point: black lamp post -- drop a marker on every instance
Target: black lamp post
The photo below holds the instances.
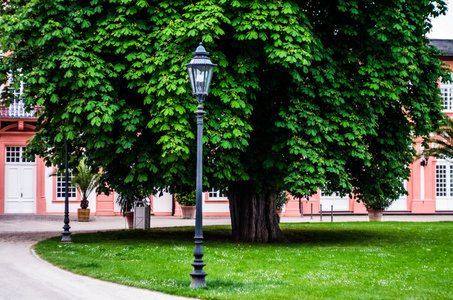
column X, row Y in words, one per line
column 200, row 69
column 66, row 234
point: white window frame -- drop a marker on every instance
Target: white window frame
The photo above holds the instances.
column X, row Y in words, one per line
column 446, row 92
column 214, row 194
column 15, row 155
column 444, row 180
column 444, row 185
column 61, row 189
column 334, row 194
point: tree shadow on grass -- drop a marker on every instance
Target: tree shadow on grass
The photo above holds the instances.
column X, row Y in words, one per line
column 222, row 234
column 170, row 234
column 327, row 236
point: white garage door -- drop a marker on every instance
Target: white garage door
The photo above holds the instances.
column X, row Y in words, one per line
column 334, row 201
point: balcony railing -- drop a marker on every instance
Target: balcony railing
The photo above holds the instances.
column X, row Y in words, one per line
column 17, row 110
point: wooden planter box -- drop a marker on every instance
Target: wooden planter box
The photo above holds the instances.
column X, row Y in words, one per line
column 83, row 215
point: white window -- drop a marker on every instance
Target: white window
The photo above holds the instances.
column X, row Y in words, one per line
column 16, row 155
column 333, row 195
column 61, row 187
column 215, row 194
column 442, row 179
column 446, row 92
column 444, row 185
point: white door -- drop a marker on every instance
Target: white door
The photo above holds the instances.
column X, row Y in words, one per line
column 20, row 182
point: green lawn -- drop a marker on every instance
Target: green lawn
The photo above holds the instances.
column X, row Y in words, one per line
column 369, row 260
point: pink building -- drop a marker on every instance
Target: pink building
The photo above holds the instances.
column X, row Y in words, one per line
column 27, row 187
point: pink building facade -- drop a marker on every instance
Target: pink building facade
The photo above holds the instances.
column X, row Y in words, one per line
column 27, row 187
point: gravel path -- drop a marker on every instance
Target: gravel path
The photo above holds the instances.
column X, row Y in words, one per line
column 23, row 275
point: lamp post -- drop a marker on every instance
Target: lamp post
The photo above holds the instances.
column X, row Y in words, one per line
column 200, row 69
column 66, row 238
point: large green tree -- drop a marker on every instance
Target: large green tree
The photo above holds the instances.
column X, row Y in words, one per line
column 307, row 94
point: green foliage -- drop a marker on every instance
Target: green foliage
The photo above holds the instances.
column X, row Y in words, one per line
column 126, row 202
column 281, row 199
column 306, row 94
column 126, row 199
column 186, row 198
column 85, row 181
column 357, row 260
column 377, row 202
column 443, row 140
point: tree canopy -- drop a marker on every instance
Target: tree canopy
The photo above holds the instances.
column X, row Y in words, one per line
column 306, row 95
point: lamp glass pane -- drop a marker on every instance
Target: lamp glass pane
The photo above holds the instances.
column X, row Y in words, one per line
column 200, row 77
column 191, row 77
column 208, row 78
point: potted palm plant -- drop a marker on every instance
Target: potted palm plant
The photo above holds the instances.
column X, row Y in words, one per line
column 187, row 200
column 85, row 181
column 126, row 201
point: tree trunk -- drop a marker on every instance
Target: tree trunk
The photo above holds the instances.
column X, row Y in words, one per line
column 254, row 218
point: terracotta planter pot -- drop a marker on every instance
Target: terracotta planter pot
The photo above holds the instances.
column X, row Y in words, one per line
column 130, row 219
column 83, row 215
column 188, row 212
column 375, row 214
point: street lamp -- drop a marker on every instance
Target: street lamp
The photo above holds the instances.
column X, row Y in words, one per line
column 66, row 238
column 200, row 69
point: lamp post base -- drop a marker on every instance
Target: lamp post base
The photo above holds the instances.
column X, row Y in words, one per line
column 198, row 275
column 198, row 279
column 66, row 238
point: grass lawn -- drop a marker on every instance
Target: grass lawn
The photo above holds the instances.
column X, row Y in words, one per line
column 369, row 260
